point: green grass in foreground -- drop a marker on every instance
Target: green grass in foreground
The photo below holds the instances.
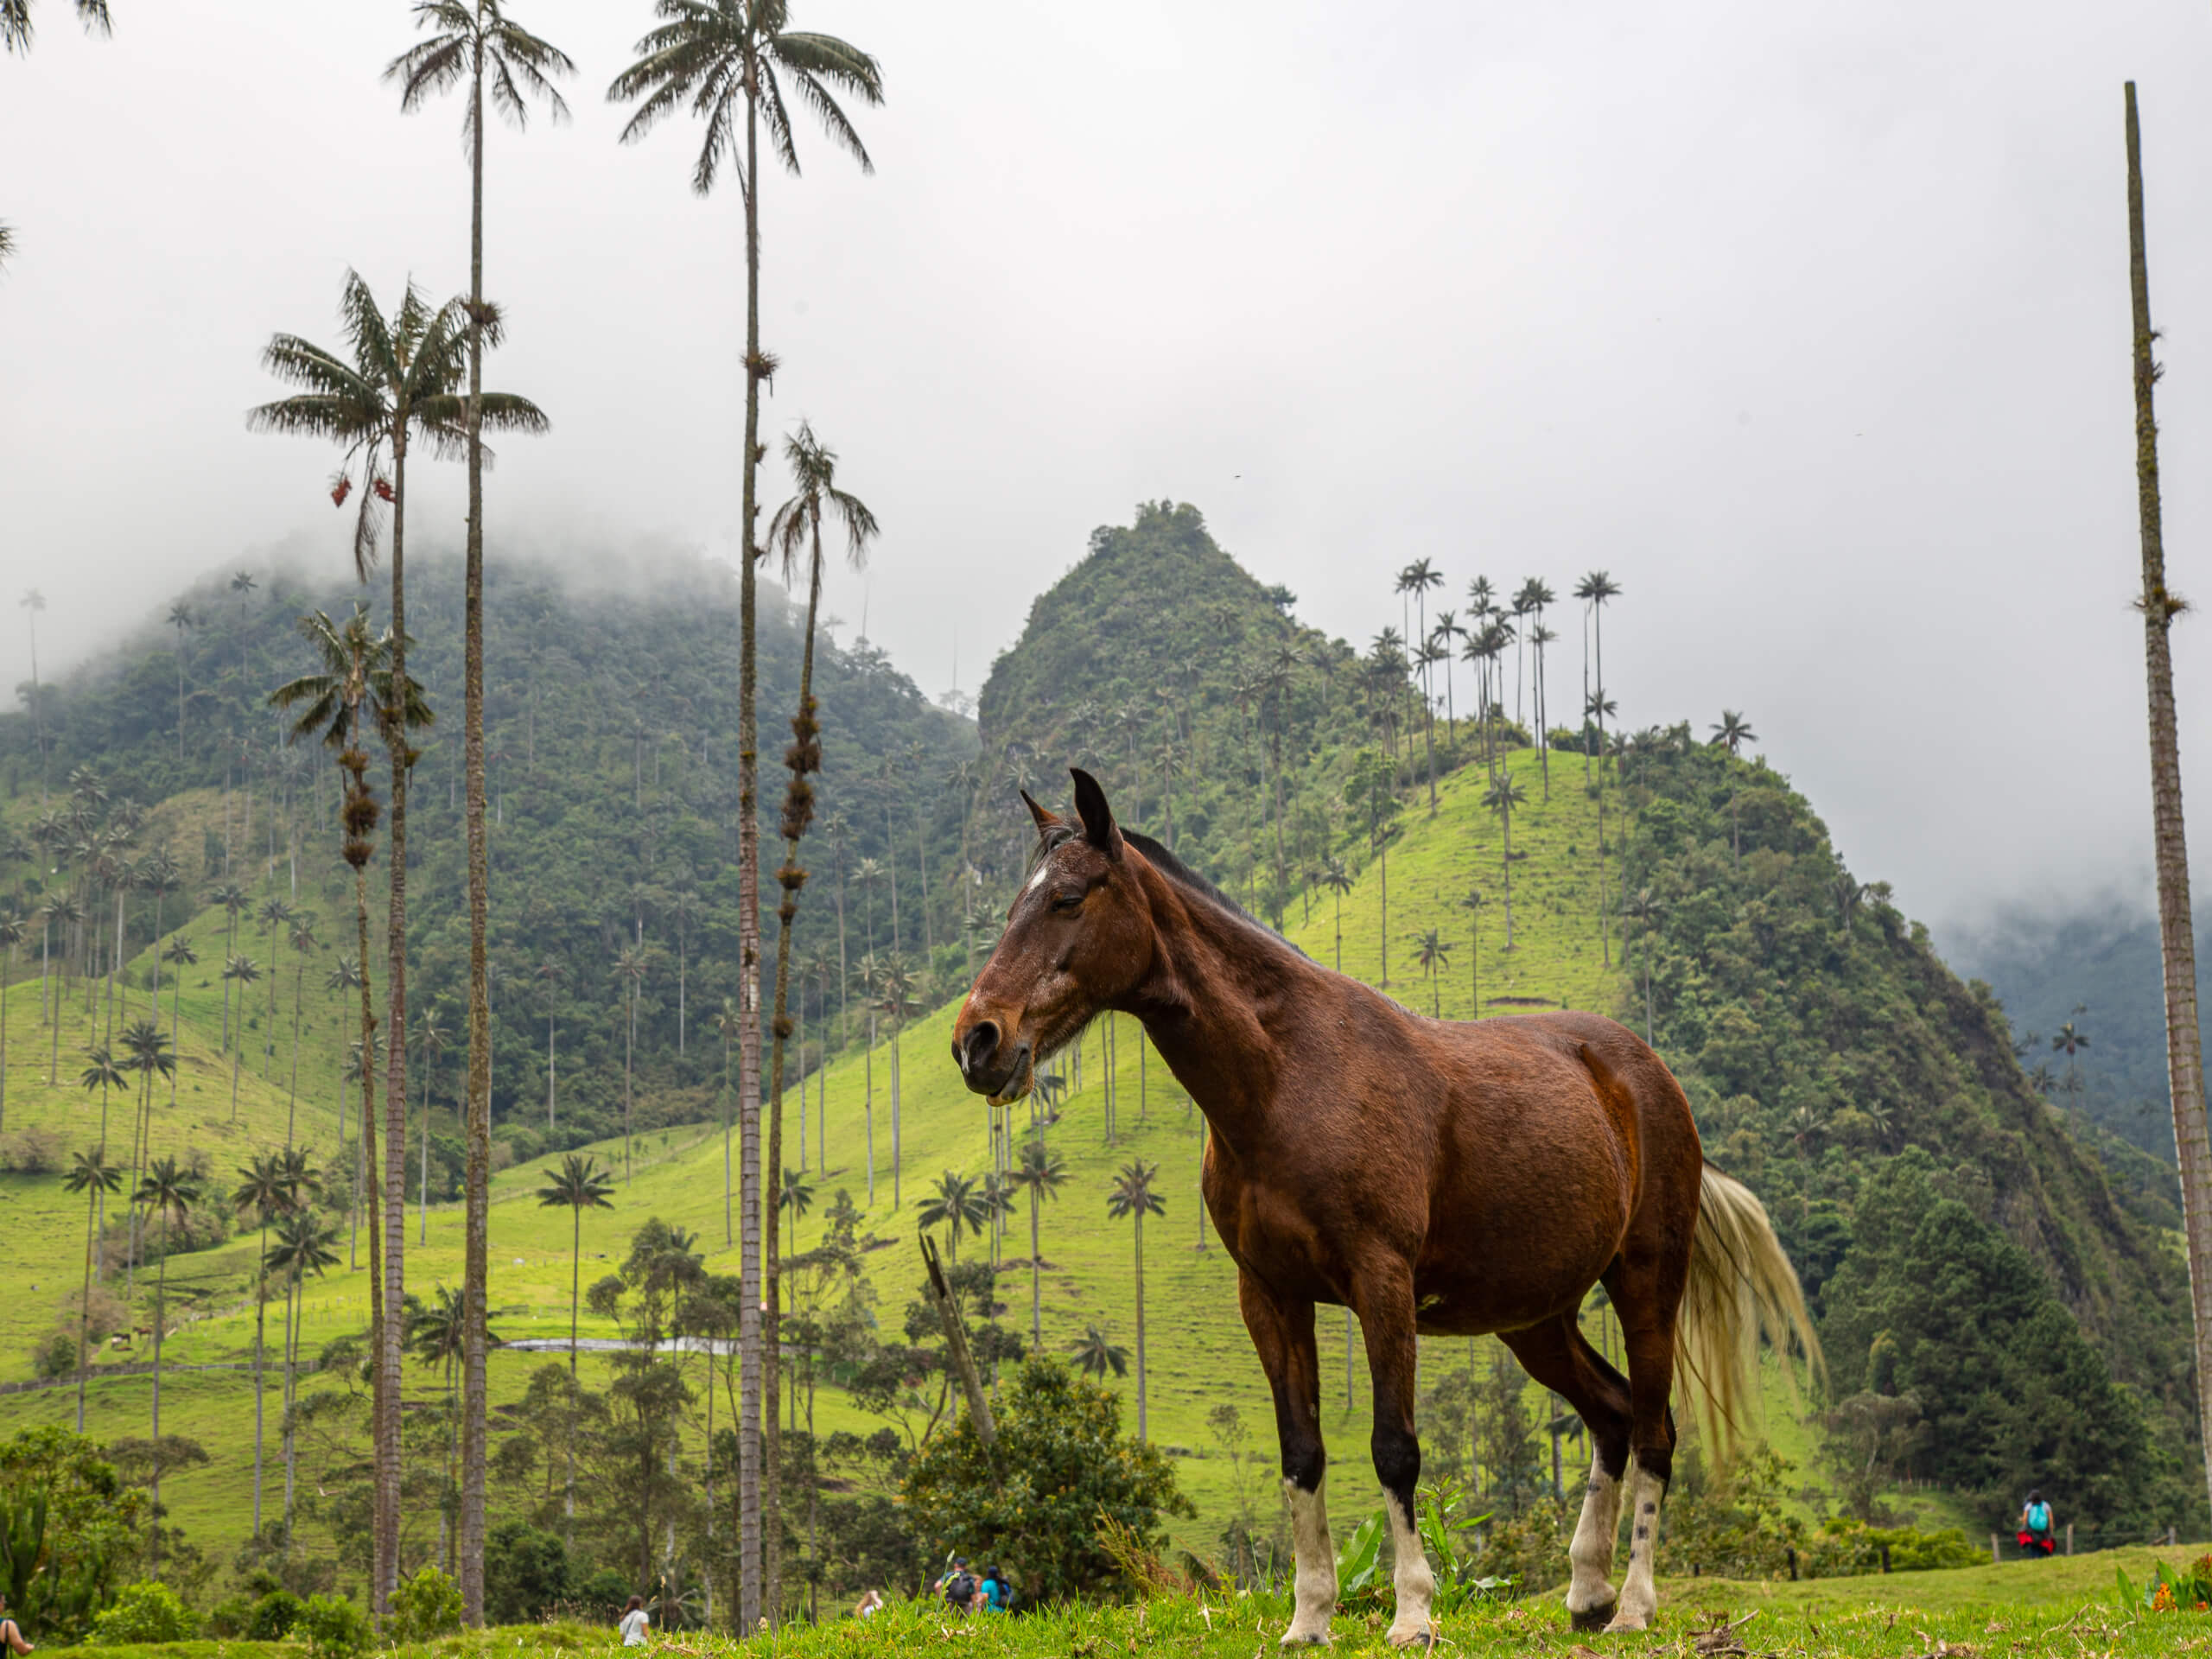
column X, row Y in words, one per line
column 2060, row 1607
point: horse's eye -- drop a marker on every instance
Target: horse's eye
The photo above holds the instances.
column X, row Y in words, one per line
column 1068, row 902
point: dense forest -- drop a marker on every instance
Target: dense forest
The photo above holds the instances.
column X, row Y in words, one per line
column 1964, row 1248
column 611, row 737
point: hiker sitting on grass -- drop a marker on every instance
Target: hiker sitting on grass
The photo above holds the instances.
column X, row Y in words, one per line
column 2037, row 1526
column 959, row 1587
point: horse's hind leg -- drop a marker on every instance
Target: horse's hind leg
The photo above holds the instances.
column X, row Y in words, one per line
column 1558, row 1355
column 1647, row 1295
column 1283, row 1334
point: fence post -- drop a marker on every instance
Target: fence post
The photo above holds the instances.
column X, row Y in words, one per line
column 1885, row 1558
column 1995, row 1555
column 2070, row 1537
column 1793, row 1563
column 2170, row 1537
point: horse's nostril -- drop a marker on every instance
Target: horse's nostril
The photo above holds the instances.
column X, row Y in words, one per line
column 982, row 1043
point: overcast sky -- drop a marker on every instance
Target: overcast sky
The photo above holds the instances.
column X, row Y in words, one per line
column 1810, row 324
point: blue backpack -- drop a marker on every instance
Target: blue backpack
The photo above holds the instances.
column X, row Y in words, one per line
column 2038, row 1517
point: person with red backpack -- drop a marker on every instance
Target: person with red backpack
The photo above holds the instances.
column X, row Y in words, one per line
column 2038, row 1528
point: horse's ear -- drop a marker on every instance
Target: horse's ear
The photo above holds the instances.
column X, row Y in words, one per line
column 1047, row 820
column 1098, row 827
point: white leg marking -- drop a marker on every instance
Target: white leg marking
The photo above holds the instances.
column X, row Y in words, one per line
column 1591, row 1552
column 1316, row 1560
column 1639, row 1595
column 1412, row 1579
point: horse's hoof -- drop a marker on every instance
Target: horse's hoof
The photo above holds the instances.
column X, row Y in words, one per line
column 1296, row 1638
column 1421, row 1635
column 1626, row 1624
column 1592, row 1619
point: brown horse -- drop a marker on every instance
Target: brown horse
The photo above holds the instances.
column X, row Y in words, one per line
column 1436, row 1177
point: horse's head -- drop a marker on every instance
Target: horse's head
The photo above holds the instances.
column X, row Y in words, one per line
column 1079, row 935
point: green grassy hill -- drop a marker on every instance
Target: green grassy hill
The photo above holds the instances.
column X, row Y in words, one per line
column 1198, row 1356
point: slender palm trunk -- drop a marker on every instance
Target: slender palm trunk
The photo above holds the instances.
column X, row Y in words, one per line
column 260, row 1327
column 629, row 1050
column 292, row 1090
column 750, row 1561
column 867, row 1110
column 575, row 1296
column 1142, row 1436
column 2184, row 1057
column 477, row 1183
column 160, row 1319
column 1036, row 1276
column 391, row 1263
column 85, row 1303
column 291, row 1367
column 365, row 1165
column 549, row 1088
column 1508, row 816
column 790, row 877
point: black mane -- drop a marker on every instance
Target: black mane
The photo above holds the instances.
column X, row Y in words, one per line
column 1167, row 863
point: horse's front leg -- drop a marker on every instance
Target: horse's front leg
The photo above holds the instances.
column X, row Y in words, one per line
column 1283, row 1333
column 1385, row 1306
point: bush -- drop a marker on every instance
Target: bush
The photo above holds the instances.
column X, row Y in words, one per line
column 227, row 1618
column 274, row 1616
column 145, row 1613
column 525, row 1572
column 1063, row 1465
column 56, row 1355
column 334, row 1627
column 603, row 1593
column 426, row 1605
column 1844, row 1548
column 31, row 1152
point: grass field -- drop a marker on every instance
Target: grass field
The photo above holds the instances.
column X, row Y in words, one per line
column 2065, row 1607
column 1199, row 1357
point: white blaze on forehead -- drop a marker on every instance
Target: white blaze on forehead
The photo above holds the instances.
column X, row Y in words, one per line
column 1044, row 871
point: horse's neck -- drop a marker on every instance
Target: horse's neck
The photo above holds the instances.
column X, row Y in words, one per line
column 1216, row 1005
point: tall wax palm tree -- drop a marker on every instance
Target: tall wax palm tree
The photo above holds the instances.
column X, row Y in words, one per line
column 167, row 1191
column 304, row 1246
column 727, row 61
column 1505, row 794
column 354, row 678
column 302, row 938
column 1731, row 732
column 275, row 913
column 1041, row 1172
column 1472, row 902
column 181, row 618
column 244, row 971
column 13, row 932
column 550, row 974
column 956, row 1205
column 435, row 1040
column 264, row 1190
column 1434, row 954
column 149, row 1057
column 1095, row 1356
column 474, row 42
column 1335, row 877
column 629, row 973
column 727, row 1023
column 344, row 974
column 235, row 901
column 101, row 1073
column 2170, row 838
column 1132, row 1197
column 2070, row 1042
column 895, row 985
column 1641, row 908
column 794, row 533
column 91, row 1174
column 404, row 383
column 580, row 1184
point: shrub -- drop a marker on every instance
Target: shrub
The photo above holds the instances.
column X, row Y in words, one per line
column 604, row 1591
column 31, row 1152
column 228, row 1618
column 274, row 1616
column 525, row 1572
column 1063, row 1465
column 426, row 1605
column 334, row 1627
column 145, row 1613
column 1844, row 1548
column 56, row 1355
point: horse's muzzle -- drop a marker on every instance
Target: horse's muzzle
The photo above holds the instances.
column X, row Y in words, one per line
column 989, row 1065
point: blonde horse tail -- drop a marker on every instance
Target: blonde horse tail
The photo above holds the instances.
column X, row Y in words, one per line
column 1741, row 1290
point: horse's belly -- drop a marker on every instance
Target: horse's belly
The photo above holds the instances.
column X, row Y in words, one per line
column 1521, row 1261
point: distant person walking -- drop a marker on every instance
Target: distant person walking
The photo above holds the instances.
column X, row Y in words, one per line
column 12, row 1634
column 995, row 1593
column 634, row 1623
column 2037, row 1526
